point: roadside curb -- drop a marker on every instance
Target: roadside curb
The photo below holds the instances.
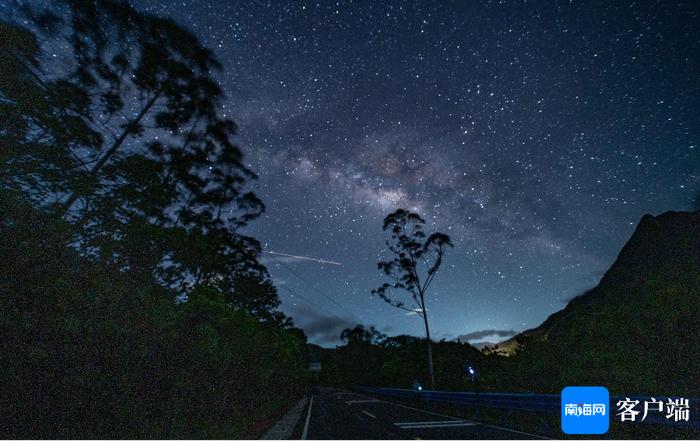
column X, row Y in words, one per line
column 285, row 426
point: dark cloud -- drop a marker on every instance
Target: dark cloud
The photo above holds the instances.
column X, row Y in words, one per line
column 480, row 335
column 324, row 329
column 321, row 329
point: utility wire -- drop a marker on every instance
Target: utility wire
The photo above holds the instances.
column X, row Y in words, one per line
column 314, row 288
column 313, row 304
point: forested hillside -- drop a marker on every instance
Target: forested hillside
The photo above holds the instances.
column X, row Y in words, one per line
column 634, row 332
column 131, row 303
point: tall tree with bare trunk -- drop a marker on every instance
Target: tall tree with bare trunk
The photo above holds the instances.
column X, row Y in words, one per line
column 414, row 262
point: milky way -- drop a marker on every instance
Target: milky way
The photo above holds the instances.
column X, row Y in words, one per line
column 536, row 134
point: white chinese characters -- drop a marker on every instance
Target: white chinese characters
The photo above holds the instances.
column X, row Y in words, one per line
column 584, row 409
column 678, row 409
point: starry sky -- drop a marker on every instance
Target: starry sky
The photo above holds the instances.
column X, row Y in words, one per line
column 535, row 134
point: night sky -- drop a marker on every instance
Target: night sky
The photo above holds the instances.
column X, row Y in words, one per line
column 535, row 134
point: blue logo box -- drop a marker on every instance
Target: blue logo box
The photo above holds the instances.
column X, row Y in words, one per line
column 585, row 410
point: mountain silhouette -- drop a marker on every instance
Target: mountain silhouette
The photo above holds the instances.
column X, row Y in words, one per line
column 637, row 330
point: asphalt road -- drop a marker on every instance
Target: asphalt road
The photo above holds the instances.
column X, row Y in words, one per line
column 335, row 414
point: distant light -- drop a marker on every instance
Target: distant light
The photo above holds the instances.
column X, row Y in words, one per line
column 420, row 387
column 471, row 371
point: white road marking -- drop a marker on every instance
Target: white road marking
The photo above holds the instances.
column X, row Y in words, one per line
column 422, row 410
column 434, row 424
column 361, row 401
column 369, row 414
column 308, row 418
column 428, row 422
column 457, row 419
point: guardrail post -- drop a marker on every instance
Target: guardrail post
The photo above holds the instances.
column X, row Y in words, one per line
column 478, row 408
column 478, row 399
column 545, row 428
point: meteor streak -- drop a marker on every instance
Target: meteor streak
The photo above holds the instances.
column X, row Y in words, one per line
column 274, row 253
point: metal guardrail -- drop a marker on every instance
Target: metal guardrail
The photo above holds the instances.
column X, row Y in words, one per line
column 540, row 403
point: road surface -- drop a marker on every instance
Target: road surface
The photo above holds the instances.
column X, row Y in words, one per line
column 335, row 414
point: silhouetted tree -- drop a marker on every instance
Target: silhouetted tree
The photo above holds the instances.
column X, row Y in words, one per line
column 415, row 261
column 359, row 335
column 76, row 333
column 128, row 136
column 118, row 169
column 255, row 294
column 41, row 123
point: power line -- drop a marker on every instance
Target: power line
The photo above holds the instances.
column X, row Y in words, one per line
column 313, row 304
column 314, row 288
column 309, row 283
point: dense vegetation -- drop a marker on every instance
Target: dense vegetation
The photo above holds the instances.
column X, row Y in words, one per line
column 91, row 352
column 371, row 358
column 131, row 305
column 634, row 333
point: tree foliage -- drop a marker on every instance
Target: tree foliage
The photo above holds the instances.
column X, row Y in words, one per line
column 130, row 140
column 122, row 190
column 91, row 352
column 359, row 335
column 411, row 252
